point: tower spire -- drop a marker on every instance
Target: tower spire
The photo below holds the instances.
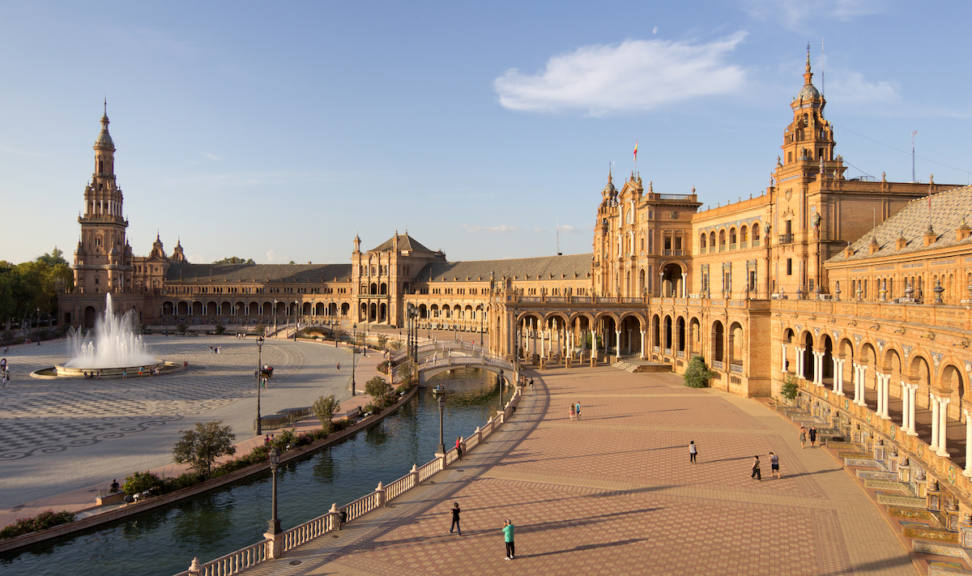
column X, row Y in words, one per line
column 807, row 74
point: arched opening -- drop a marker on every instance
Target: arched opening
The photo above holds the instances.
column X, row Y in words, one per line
column 717, row 345
column 631, row 335
column 656, row 334
column 254, row 311
column 680, row 337
column 91, row 315
column 306, row 308
column 736, row 347
column 827, row 363
column 952, row 382
column 197, row 308
column 668, row 335
column 182, row 309
column 808, row 364
column 671, row 281
column 383, row 289
column 383, row 312
column 869, row 359
column 372, row 312
column 695, row 337
column 788, row 351
column 320, row 309
column 345, row 308
column 423, row 311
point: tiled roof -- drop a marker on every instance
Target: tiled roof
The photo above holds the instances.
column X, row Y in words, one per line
column 405, row 242
column 544, row 268
column 948, row 209
column 205, row 273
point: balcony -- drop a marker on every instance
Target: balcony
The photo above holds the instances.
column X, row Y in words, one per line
column 786, row 238
column 673, row 252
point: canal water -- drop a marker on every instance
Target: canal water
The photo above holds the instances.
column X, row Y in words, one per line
column 164, row 541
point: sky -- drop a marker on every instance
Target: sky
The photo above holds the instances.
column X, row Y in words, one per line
column 277, row 131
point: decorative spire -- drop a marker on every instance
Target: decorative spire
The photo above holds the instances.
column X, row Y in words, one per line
column 807, row 74
column 104, row 137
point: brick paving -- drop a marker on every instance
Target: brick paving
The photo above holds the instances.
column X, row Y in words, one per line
column 614, row 493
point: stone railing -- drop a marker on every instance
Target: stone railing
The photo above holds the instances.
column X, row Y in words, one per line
column 276, row 545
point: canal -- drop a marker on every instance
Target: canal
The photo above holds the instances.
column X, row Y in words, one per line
column 164, row 541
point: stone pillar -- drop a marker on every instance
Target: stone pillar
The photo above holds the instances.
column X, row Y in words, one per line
column 684, row 285
column 818, row 368
column 542, row 347
column 968, row 444
column 933, row 401
column 838, row 376
column 905, row 404
column 943, row 427
column 912, row 405
column 783, row 359
column 642, row 344
column 862, row 369
column 617, row 345
column 799, row 361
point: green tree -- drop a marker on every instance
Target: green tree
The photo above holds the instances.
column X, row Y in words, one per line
column 697, row 374
column 202, row 446
column 235, row 260
column 790, row 387
column 325, row 408
column 31, row 288
column 379, row 389
column 140, row 482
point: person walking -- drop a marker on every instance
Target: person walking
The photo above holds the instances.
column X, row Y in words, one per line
column 459, row 447
column 571, row 412
column 775, row 465
column 455, row 519
column 756, row 473
column 803, row 436
column 577, row 410
column 508, row 538
column 813, row 436
column 693, row 451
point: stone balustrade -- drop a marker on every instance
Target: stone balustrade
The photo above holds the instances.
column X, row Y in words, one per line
column 238, row 561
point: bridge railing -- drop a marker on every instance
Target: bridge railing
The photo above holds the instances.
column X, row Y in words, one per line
column 240, row 560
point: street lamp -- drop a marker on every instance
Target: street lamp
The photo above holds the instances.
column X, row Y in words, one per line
column 274, row 462
column 274, row 315
column 499, row 383
column 439, row 393
column 259, row 374
column 354, row 349
column 482, row 325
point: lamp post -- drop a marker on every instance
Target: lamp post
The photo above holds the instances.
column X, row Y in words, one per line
column 439, row 393
column 274, row 315
column 499, row 384
column 296, row 319
column 482, row 325
column 259, row 374
column 274, row 527
column 354, row 349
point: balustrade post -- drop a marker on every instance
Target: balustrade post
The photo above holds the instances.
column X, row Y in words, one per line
column 193, row 567
column 415, row 476
column 380, row 495
column 333, row 518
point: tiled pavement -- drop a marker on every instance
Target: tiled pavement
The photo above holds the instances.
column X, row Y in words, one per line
column 614, row 493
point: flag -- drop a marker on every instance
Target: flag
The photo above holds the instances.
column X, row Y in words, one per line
column 636, row 151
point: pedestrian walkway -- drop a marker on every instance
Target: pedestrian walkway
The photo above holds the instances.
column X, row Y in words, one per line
column 614, row 493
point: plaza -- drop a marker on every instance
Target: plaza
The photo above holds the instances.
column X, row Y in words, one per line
column 614, row 493
column 63, row 440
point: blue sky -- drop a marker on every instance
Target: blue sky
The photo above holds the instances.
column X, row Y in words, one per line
column 276, row 131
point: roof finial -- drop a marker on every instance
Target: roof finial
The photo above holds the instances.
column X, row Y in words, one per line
column 106, row 106
column 807, row 74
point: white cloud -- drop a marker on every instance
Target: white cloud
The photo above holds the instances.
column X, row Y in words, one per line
column 794, row 14
column 631, row 76
column 849, row 87
column 270, row 255
column 211, row 156
column 497, row 228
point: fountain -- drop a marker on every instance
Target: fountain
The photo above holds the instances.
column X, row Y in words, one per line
column 115, row 351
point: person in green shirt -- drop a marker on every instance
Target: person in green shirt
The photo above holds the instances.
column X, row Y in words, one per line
column 508, row 537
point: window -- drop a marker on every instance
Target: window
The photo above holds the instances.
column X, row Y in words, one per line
column 789, row 266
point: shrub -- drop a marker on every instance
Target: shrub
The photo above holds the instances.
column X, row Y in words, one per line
column 284, row 440
column 140, row 482
column 202, row 446
column 182, row 328
column 42, row 521
column 325, row 408
column 697, row 374
column 219, row 330
column 790, row 388
column 378, row 389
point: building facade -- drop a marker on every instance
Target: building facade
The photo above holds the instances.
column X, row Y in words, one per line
column 858, row 290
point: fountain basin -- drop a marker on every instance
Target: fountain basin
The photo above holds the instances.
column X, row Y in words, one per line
column 140, row 371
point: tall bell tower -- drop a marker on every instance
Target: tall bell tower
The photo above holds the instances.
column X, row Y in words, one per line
column 102, row 261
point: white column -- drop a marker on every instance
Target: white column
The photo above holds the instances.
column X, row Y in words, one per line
column 684, row 285
column 912, row 400
column 783, row 362
column 943, row 427
column 617, row 346
column 642, row 344
column 933, row 402
column 968, row 444
column 863, row 370
column 542, row 347
column 885, row 380
column 838, row 376
column 818, row 368
column 858, row 393
column 799, row 361
column 905, row 403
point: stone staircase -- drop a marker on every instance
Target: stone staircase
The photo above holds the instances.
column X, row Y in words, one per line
column 936, row 549
column 639, row 366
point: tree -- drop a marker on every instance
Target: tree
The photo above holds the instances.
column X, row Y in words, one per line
column 202, row 446
column 697, row 374
column 378, row 389
column 325, row 408
column 32, row 287
column 235, row 260
column 790, row 387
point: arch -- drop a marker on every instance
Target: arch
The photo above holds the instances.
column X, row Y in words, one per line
column 332, row 309
column 722, row 239
column 642, row 287
column 732, row 236
column 680, row 336
column 423, row 311
column 656, row 332
column 373, row 288
column 197, row 308
column 736, row 346
column 755, row 231
column 695, row 337
column 372, row 312
column 669, row 336
column 630, row 328
column 712, row 241
column 212, row 309
column 254, row 309
column 434, row 311
column 717, row 343
column 320, row 309
column 827, row 362
column 383, row 312
column 808, row 363
column 743, row 234
column 383, row 289
column 91, row 314
column 671, row 280
column 702, row 243
column 345, row 308
column 306, row 308
column 950, row 380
